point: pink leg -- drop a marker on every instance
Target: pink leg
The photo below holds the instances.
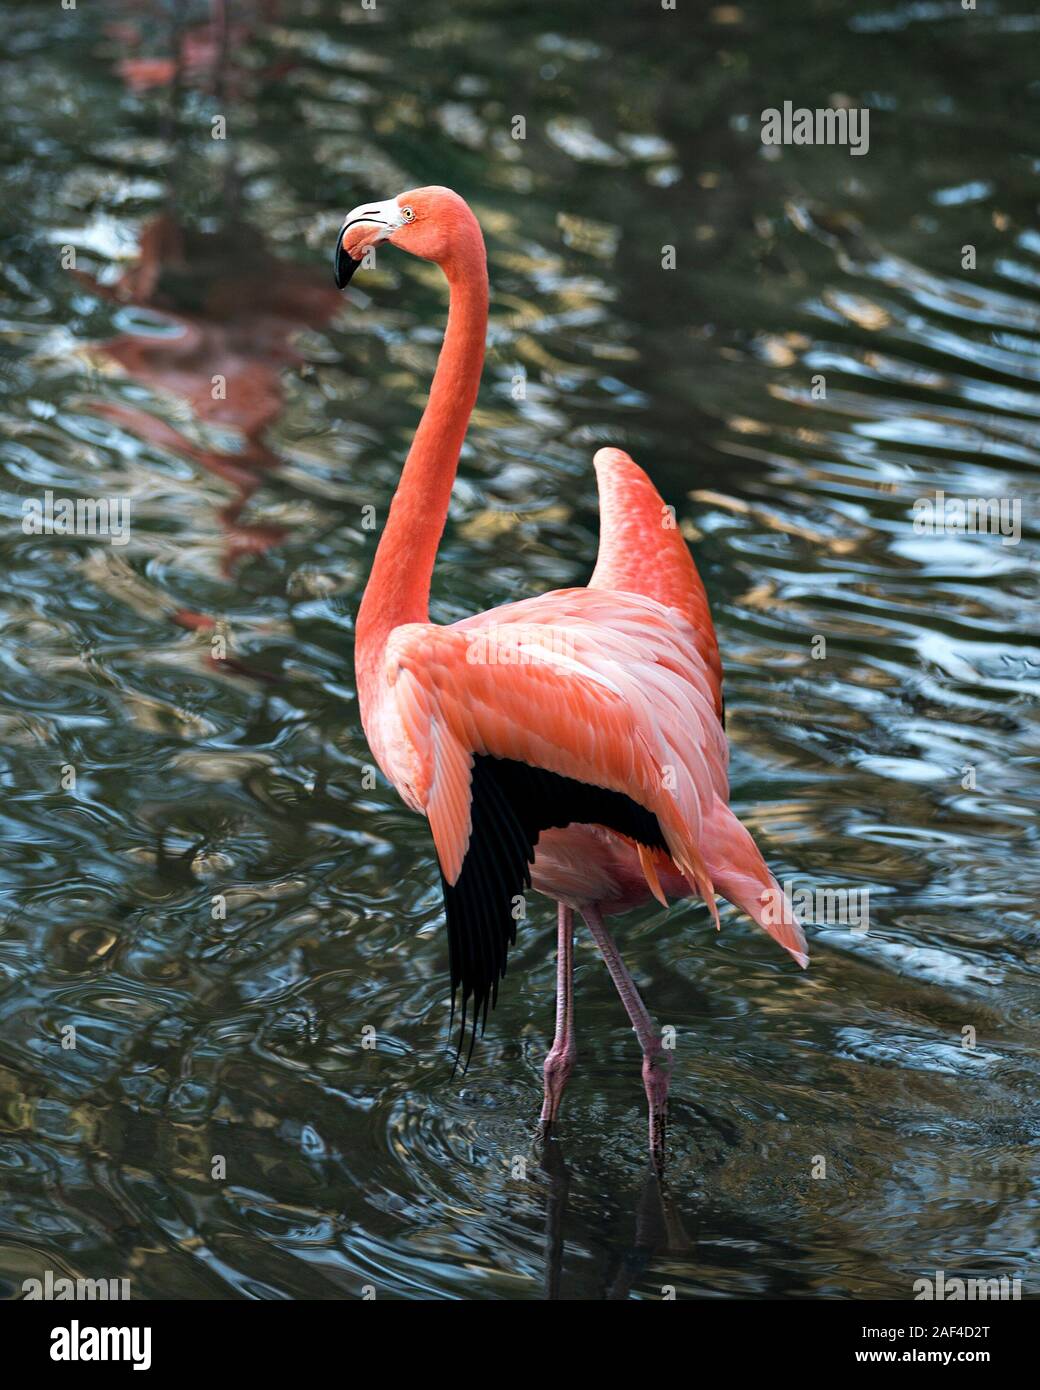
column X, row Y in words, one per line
column 560, row 1059
column 655, row 1074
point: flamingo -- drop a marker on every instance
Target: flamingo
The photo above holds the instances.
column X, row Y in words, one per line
column 571, row 743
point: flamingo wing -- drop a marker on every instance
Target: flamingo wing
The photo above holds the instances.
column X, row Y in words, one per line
column 575, row 707
column 642, row 551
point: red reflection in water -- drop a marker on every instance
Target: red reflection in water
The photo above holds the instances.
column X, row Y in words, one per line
column 231, row 308
column 226, row 354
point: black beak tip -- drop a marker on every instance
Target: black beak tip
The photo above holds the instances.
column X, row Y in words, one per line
column 344, row 263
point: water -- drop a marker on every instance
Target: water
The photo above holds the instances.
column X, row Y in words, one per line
column 900, row 759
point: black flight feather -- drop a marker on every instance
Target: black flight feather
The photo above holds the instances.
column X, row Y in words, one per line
column 511, row 804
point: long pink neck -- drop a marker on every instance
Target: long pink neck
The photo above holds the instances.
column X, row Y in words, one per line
column 398, row 588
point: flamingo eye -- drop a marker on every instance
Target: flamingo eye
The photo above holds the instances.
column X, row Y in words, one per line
column 408, row 214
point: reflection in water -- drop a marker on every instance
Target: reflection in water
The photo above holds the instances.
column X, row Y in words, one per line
column 656, row 1231
column 900, row 758
column 226, row 312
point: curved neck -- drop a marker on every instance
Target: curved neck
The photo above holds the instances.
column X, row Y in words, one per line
column 398, row 588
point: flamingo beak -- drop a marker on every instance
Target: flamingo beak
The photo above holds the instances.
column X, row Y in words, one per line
column 365, row 226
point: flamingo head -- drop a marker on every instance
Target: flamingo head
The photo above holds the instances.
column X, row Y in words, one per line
column 433, row 223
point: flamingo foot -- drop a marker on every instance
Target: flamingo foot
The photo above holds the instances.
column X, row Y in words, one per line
column 559, row 1064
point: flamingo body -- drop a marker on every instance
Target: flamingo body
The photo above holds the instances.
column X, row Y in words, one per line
column 608, row 689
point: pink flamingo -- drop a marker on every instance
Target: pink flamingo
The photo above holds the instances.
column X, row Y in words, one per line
column 573, row 742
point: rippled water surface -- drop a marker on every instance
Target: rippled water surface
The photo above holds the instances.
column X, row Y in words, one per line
column 880, row 682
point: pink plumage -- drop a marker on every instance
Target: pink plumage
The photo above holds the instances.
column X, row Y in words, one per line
column 572, row 742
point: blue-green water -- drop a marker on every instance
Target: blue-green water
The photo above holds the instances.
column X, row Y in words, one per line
column 220, row 1127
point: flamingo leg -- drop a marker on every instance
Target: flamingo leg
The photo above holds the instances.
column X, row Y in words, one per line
column 559, row 1061
column 655, row 1073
